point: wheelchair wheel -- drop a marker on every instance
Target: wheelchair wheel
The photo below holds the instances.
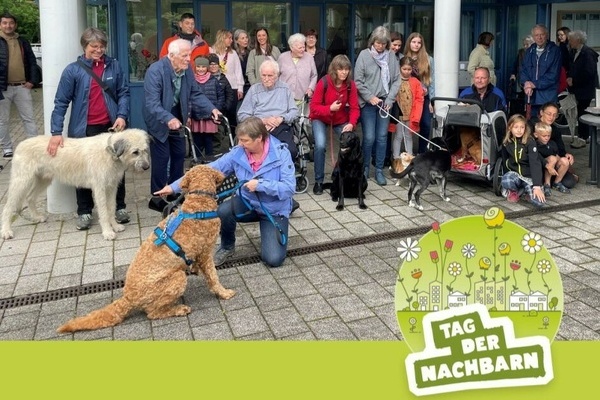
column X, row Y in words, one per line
column 497, row 177
column 301, row 184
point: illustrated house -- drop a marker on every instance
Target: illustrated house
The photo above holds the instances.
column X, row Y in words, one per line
column 484, row 293
column 435, row 290
column 519, row 301
column 538, row 301
column 423, row 299
column 457, row 299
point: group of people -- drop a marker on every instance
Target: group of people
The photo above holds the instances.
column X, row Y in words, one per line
column 261, row 89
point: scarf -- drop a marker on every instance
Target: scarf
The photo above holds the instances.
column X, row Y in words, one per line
column 202, row 78
column 382, row 60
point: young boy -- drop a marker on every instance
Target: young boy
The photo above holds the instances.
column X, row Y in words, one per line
column 555, row 165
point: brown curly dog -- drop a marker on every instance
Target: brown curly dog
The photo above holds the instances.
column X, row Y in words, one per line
column 156, row 278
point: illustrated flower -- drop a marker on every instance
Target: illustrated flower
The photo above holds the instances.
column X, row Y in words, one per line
column 417, row 274
column 434, row 256
column 448, row 245
column 504, row 249
column 494, row 217
column 454, row 269
column 532, row 242
column 544, row 266
column 409, row 250
column 485, row 263
column 515, row 265
column 469, row 250
column 436, row 227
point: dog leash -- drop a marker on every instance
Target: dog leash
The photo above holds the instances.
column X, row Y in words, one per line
column 331, row 143
column 386, row 114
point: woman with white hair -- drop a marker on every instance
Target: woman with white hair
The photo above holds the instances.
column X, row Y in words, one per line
column 582, row 76
column 298, row 68
column 377, row 79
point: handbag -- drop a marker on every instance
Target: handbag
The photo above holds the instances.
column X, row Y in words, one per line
column 102, row 84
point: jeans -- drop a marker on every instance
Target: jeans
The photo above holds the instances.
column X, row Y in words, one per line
column 425, row 126
column 375, row 132
column 85, row 198
column 232, row 211
column 21, row 96
column 513, row 181
column 320, row 132
column 167, row 161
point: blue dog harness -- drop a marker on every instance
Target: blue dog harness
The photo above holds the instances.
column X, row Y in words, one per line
column 165, row 236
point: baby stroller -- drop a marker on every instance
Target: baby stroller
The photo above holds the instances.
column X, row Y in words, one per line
column 473, row 137
column 305, row 146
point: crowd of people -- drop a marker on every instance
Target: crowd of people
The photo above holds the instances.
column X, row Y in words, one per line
column 260, row 89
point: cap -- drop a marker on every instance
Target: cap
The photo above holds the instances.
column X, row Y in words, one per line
column 203, row 61
column 213, row 59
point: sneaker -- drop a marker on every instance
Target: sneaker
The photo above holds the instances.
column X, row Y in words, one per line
column 122, row 216
column 379, row 178
column 560, row 187
column 8, row 154
column 221, row 255
column 547, row 191
column 84, row 222
column 295, row 205
column 512, row 196
column 318, row 188
column 578, row 143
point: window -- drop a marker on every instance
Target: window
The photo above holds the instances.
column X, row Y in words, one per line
column 276, row 17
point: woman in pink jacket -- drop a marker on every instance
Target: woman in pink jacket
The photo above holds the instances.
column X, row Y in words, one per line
column 334, row 104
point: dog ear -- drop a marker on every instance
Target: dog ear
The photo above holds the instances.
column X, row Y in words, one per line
column 219, row 177
column 118, row 148
column 185, row 182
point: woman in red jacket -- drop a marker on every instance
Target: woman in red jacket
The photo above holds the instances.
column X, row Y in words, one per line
column 335, row 104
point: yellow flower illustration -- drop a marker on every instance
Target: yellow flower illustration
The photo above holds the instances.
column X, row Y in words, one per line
column 485, row 263
column 454, row 269
column 504, row 249
column 544, row 266
column 494, row 217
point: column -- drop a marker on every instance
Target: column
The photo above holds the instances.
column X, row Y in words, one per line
column 61, row 25
column 446, row 49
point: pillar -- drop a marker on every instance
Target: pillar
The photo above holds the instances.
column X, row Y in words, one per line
column 446, row 49
column 61, row 25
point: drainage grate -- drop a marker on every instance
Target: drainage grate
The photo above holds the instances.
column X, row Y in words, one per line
column 74, row 291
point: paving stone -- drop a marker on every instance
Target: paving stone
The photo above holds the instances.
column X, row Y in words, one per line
column 246, row 321
column 216, row 331
column 350, row 307
column 262, row 285
column 313, row 307
column 179, row 330
column 32, row 284
column 297, row 286
column 371, row 329
column 584, row 314
column 18, row 321
column 273, row 302
column 285, row 322
column 331, row 329
column 206, row 316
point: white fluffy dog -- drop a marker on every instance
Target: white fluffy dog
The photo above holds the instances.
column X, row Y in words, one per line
column 98, row 163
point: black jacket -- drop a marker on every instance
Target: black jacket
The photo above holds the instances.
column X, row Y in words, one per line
column 31, row 71
column 584, row 74
column 523, row 159
column 321, row 62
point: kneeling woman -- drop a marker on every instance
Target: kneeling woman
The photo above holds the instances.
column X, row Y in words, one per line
column 265, row 165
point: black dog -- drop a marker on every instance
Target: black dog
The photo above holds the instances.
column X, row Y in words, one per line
column 347, row 176
column 428, row 167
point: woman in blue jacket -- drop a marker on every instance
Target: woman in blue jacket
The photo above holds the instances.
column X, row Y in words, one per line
column 95, row 109
column 265, row 165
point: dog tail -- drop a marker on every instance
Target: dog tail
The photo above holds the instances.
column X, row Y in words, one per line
column 110, row 315
column 406, row 171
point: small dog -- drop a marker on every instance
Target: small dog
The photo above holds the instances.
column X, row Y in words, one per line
column 98, row 163
column 399, row 165
column 347, row 176
column 156, row 278
column 431, row 166
column 470, row 142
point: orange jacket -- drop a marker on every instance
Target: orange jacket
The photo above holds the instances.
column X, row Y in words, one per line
column 200, row 49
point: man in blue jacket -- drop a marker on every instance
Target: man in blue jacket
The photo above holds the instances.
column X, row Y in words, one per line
column 540, row 71
column 170, row 89
column 482, row 90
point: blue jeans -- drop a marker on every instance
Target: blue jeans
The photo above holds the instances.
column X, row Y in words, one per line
column 232, row 211
column 425, row 126
column 320, row 132
column 374, row 128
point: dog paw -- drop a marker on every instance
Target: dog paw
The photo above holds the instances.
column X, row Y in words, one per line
column 226, row 294
column 419, row 207
column 183, row 310
column 446, row 198
column 118, row 227
column 362, row 206
column 411, row 204
column 339, row 207
column 7, row 234
column 38, row 218
column 109, row 235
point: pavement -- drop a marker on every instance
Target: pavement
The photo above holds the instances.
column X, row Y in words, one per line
column 338, row 282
